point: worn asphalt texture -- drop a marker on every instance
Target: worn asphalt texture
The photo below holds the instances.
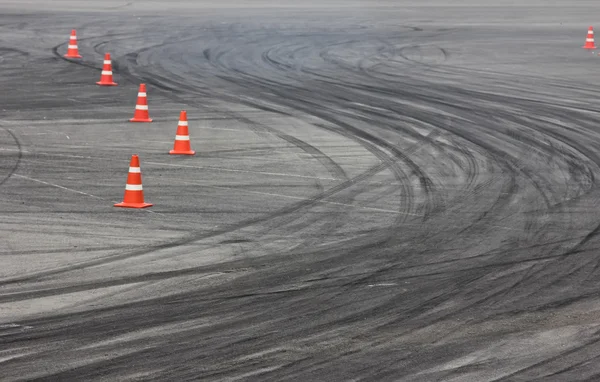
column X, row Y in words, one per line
column 382, row 191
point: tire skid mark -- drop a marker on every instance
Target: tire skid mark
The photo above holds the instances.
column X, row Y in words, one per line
column 15, row 167
column 475, row 284
column 285, row 137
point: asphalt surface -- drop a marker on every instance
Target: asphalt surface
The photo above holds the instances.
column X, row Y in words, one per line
column 382, row 191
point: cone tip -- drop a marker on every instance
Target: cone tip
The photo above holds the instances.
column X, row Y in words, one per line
column 107, row 56
column 135, row 161
column 143, row 87
column 73, row 32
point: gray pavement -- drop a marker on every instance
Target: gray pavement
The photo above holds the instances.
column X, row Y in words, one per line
column 382, row 191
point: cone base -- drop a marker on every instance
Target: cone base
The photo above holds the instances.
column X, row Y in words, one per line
column 72, row 56
column 177, row 152
column 106, row 83
column 140, row 120
column 133, row 205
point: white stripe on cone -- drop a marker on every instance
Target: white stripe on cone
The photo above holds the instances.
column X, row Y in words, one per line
column 106, row 62
column 589, row 39
column 141, row 94
column 133, row 187
column 141, row 107
column 182, row 137
column 73, row 38
column 134, row 169
column 72, row 46
column 183, row 123
column 106, row 73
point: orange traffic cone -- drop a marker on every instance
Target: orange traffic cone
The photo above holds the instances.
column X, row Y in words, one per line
column 106, row 78
column 72, row 50
column 589, row 41
column 134, row 195
column 141, row 108
column 182, row 139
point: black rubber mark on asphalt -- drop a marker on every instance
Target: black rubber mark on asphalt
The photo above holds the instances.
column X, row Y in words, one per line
column 19, row 156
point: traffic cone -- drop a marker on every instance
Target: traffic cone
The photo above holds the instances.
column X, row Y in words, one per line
column 134, row 195
column 589, row 41
column 72, row 50
column 106, row 78
column 182, row 139
column 141, row 108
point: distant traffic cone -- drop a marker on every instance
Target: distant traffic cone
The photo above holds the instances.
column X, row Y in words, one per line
column 141, row 108
column 589, row 41
column 182, row 139
column 106, row 78
column 72, row 50
column 134, row 195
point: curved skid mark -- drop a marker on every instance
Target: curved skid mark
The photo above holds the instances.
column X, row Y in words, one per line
column 19, row 156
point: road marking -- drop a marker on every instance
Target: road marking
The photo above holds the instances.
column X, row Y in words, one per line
column 244, row 171
column 54, row 154
column 301, row 198
column 219, row 128
column 75, row 191
column 11, row 357
column 57, row 186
